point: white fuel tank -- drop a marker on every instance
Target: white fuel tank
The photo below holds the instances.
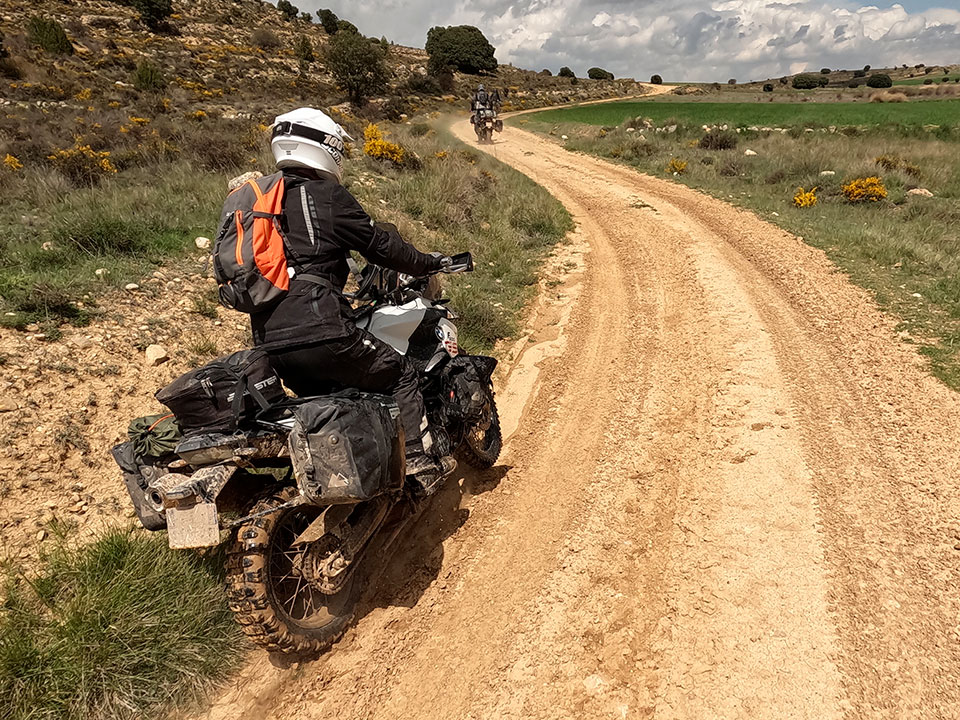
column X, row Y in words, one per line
column 395, row 324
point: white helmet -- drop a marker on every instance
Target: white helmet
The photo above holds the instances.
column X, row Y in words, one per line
column 307, row 137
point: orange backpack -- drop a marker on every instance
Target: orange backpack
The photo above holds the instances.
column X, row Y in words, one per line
column 249, row 256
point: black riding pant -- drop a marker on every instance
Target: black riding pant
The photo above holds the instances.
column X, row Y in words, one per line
column 362, row 361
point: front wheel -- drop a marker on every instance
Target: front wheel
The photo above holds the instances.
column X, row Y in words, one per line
column 481, row 446
column 273, row 602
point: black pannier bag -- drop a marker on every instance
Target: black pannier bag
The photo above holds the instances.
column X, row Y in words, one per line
column 468, row 377
column 224, row 394
column 347, row 447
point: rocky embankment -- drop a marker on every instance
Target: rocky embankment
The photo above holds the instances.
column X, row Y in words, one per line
column 65, row 403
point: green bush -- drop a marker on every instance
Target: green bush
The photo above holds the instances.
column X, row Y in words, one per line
column 822, row 81
column 656, row 80
column 879, row 80
column 718, row 140
column 596, row 73
column 357, row 65
column 565, row 72
column 768, row 87
column 148, row 77
column 806, row 82
column 732, row 81
column 329, row 21
column 825, row 71
column 264, row 39
column 48, row 35
column 859, row 73
column 459, row 47
column 306, row 17
column 303, row 50
column 421, row 85
column 288, row 10
column 120, row 628
column 153, row 12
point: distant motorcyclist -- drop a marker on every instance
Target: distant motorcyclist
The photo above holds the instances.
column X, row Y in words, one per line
column 481, row 100
column 310, row 334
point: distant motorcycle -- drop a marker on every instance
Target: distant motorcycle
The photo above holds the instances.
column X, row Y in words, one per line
column 485, row 121
column 305, row 489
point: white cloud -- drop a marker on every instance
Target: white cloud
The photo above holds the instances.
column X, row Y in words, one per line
column 679, row 39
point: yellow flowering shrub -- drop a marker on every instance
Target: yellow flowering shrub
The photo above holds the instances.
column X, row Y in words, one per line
column 82, row 164
column 83, row 94
column 440, row 155
column 868, row 189
column 380, row 149
column 139, row 121
column 805, row 198
column 197, row 115
column 677, row 166
column 12, row 163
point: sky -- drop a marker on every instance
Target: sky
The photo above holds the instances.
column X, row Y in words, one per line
column 693, row 40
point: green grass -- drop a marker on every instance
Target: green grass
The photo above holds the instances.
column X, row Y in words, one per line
column 937, row 78
column 905, row 249
column 126, row 226
column 779, row 114
column 119, row 629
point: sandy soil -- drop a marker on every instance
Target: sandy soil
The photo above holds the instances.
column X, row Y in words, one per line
column 729, row 493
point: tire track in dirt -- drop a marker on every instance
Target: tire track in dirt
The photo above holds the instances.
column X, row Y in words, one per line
column 730, row 493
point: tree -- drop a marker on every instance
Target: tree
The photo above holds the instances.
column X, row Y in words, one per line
column 358, row 65
column 825, row 71
column 303, row 50
column 546, row 72
column 329, row 21
column 805, row 82
column 859, row 73
column 596, row 73
column 768, row 87
column 288, row 10
column 656, row 80
column 306, row 17
column 565, row 72
column 879, row 80
column 459, row 47
column 866, row 68
column 732, row 81
column 347, row 27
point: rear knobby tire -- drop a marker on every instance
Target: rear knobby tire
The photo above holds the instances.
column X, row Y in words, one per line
column 482, row 449
column 280, row 614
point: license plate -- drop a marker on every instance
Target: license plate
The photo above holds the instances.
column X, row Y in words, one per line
column 193, row 526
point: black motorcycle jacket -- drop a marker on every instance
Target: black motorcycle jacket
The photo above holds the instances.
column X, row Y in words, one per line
column 322, row 222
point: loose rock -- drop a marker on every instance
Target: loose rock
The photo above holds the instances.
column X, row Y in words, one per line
column 156, row 355
column 8, row 404
column 920, row 192
column 750, row 153
column 202, row 242
column 241, row 179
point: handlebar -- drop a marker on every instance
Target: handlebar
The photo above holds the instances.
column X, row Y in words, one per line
column 368, row 290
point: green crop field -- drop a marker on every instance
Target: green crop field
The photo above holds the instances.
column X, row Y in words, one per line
column 926, row 112
column 937, row 78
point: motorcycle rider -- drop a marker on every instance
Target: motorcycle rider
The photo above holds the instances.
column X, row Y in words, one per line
column 481, row 101
column 310, row 335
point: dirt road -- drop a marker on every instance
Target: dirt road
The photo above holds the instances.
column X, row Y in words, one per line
column 730, row 493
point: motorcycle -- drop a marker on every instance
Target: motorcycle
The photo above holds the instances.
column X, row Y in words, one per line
column 297, row 541
column 485, row 121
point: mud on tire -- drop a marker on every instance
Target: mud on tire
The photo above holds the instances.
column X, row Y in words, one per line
column 270, row 605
